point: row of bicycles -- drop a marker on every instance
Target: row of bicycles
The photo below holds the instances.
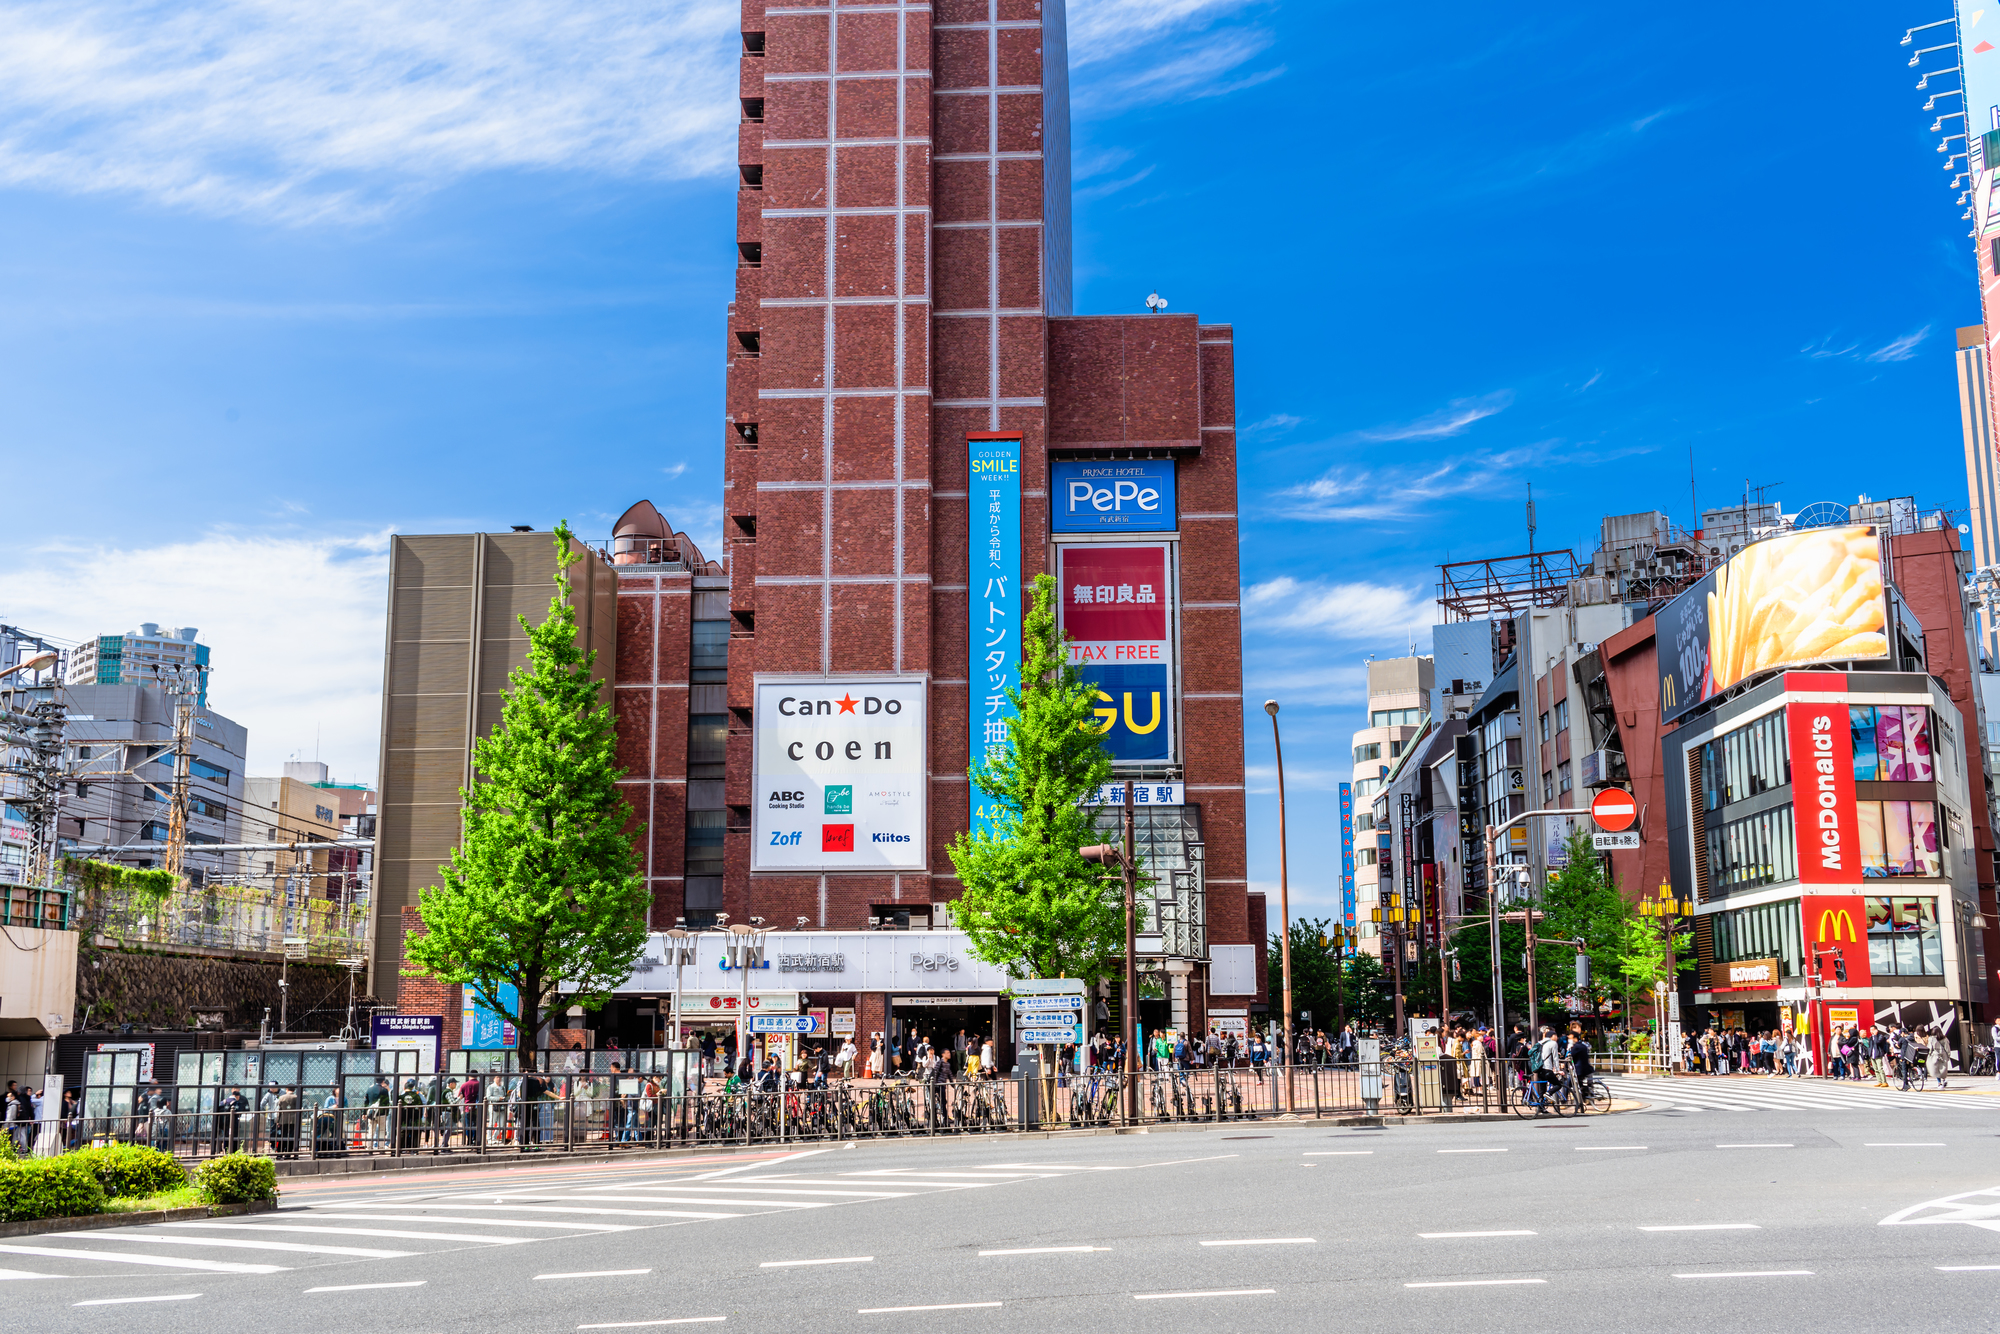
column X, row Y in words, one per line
column 842, row 1111
column 1175, row 1095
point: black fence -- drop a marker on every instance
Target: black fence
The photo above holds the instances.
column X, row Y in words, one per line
column 503, row 1112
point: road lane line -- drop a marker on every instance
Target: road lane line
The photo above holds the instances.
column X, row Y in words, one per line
column 594, row 1273
column 1429, row 1236
column 948, row 1306
column 1340, row 1153
column 482, row 1222
column 1962, row 1269
column 360, row 1252
column 1472, row 1151
column 165, row 1262
column 1753, row 1146
column 1266, row 1241
column 641, row 1324
column 1703, row 1227
column 21, row 1273
column 838, row 1260
column 1477, row 1283
column 1609, row 1148
column 362, row 1287
column 403, row 1233
column 1048, row 1250
column 126, row 1301
column 1913, row 1144
column 1215, row 1292
column 1753, row 1273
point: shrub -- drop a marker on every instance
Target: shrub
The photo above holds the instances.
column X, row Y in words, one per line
column 48, row 1188
column 237, row 1178
column 133, row 1169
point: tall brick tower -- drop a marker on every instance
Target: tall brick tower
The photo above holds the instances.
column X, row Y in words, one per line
column 904, row 294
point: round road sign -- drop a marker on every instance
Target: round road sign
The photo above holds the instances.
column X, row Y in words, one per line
column 1614, row 810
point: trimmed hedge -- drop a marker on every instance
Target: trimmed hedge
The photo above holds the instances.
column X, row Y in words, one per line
column 48, row 1188
column 128, row 1170
column 237, row 1178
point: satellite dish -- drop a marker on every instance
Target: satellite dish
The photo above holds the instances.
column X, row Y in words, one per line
column 1156, row 303
column 1821, row 514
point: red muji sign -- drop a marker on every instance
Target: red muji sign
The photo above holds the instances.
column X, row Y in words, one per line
column 1829, row 835
column 1614, row 810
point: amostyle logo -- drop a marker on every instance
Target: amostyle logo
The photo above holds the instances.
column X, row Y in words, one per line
column 1829, row 836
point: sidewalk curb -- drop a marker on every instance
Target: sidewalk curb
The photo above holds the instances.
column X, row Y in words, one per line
column 36, row 1226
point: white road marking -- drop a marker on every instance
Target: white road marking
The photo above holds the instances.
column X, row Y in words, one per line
column 1703, row 1227
column 1048, row 1250
column 1608, row 1148
column 126, row 1301
column 950, row 1306
column 362, row 1287
column 1913, row 1144
column 684, row 1320
column 1753, row 1146
column 482, row 1222
column 361, row 1232
column 679, row 1198
column 1216, row 1292
column 1266, row 1241
column 21, row 1273
column 1340, row 1153
column 1432, row 1236
column 1478, row 1283
column 1753, row 1273
column 360, row 1252
column 165, row 1262
column 1472, row 1151
column 594, row 1273
column 567, row 1209
column 1962, row 1269
column 838, row 1260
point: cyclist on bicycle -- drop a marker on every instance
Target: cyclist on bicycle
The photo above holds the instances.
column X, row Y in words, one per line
column 1546, row 1062
column 1579, row 1062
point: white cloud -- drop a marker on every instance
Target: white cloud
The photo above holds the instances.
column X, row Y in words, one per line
column 1452, row 419
column 294, row 623
column 1347, row 494
column 1101, row 30
column 1901, row 349
column 340, row 108
column 1191, row 50
column 1359, row 610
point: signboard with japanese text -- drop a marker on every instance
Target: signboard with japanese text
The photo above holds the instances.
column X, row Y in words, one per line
column 1112, row 496
column 1143, row 794
column 482, row 1028
column 1117, row 610
column 420, row 1033
column 838, row 781
column 993, row 597
column 1347, row 853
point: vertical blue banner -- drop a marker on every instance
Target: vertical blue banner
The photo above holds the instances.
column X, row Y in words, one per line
column 482, row 1028
column 1347, row 853
column 993, row 593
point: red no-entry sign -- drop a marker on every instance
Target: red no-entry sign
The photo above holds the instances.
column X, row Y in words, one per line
column 1614, row 810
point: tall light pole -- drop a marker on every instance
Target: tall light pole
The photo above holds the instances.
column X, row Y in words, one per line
column 1284, row 902
column 1125, row 855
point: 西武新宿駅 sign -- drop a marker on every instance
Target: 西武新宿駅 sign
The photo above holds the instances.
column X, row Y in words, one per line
column 838, row 783
column 1112, row 495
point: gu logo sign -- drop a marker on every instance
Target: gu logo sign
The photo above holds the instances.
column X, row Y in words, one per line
column 1829, row 837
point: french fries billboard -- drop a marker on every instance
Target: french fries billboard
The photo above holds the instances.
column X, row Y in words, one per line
column 1814, row 596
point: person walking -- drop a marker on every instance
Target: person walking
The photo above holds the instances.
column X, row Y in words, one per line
column 1937, row 1059
column 847, row 1055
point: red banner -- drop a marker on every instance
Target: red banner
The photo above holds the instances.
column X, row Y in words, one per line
column 1114, row 593
column 1829, row 835
column 1835, row 926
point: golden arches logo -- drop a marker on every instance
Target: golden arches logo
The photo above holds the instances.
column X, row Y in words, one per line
column 1842, row 922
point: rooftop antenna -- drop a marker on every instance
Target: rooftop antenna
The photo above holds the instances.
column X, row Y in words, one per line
column 1156, row 303
column 1531, row 518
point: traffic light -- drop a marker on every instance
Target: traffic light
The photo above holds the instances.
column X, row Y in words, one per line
column 1840, row 969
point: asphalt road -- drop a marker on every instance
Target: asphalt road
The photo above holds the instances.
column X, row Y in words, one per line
column 1862, row 1217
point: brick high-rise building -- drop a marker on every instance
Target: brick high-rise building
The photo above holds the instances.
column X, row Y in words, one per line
column 903, row 299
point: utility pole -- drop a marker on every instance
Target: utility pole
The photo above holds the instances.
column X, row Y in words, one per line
column 1129, row 1019
column 1285, row 905
column 183, row 686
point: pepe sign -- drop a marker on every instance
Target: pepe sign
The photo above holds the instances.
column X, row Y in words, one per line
column 835, row 762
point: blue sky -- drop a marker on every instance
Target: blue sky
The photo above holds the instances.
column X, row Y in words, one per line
column 273, row 285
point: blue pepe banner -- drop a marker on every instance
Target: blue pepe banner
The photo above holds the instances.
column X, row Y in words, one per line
column 993, row 590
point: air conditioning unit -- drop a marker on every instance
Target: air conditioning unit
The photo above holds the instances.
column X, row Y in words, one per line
column 1602, row 768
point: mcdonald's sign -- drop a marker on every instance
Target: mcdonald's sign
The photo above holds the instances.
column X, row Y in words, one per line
column 1829, row 832
column 1835, row 922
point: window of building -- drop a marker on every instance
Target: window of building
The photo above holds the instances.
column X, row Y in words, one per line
column 1364, row 820
column 1768, row 931
column 1892, row 744
column 708, row 743
column 1371, row 751
column 1565, row 777
column 1562, row 714
column 704, row 842
column 203, row 769
column 1367, row 787
column 1394, row 717
column 709, row 652
column 1756, row 850
column 1368, row 856
column 1160, row 834
column 1753, row 758
column 1548, row 789
column 1396, row 748
column 1900, row 838
column 1545, row 726
column 1903, row 938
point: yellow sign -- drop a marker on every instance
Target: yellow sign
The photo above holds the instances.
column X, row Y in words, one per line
column 1843, row 1014
column 1833, row 923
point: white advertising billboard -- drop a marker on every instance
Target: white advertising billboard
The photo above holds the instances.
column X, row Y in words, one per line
column 838, row 782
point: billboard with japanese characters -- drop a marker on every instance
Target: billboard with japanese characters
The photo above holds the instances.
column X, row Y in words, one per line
column 1117, row 612
column 993, row 602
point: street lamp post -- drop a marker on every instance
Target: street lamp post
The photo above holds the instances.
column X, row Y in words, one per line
column 683, row 947
column 1284, row 905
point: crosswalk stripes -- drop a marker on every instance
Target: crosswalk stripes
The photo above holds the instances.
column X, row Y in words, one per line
column 376, row 1227
column 1751, row 1093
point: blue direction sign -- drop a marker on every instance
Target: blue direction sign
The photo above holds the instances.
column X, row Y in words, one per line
column 1041, row 1003
column 784, row 1023
column 1051, row 1033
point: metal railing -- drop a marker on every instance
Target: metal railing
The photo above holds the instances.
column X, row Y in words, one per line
column 34, row 905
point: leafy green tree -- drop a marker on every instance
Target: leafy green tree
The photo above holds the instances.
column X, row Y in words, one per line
column 1317, row 975
column 1642, row 960
column 1030, row 903
column 1370, row 992
column 1580, row 902
column 543, row 893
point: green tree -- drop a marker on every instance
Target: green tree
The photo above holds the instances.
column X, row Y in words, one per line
column 543, row 893
column 1642, row 959
column 1030, row 903
column 1580, row 902
column 1370, row 992
column 1318, row 978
